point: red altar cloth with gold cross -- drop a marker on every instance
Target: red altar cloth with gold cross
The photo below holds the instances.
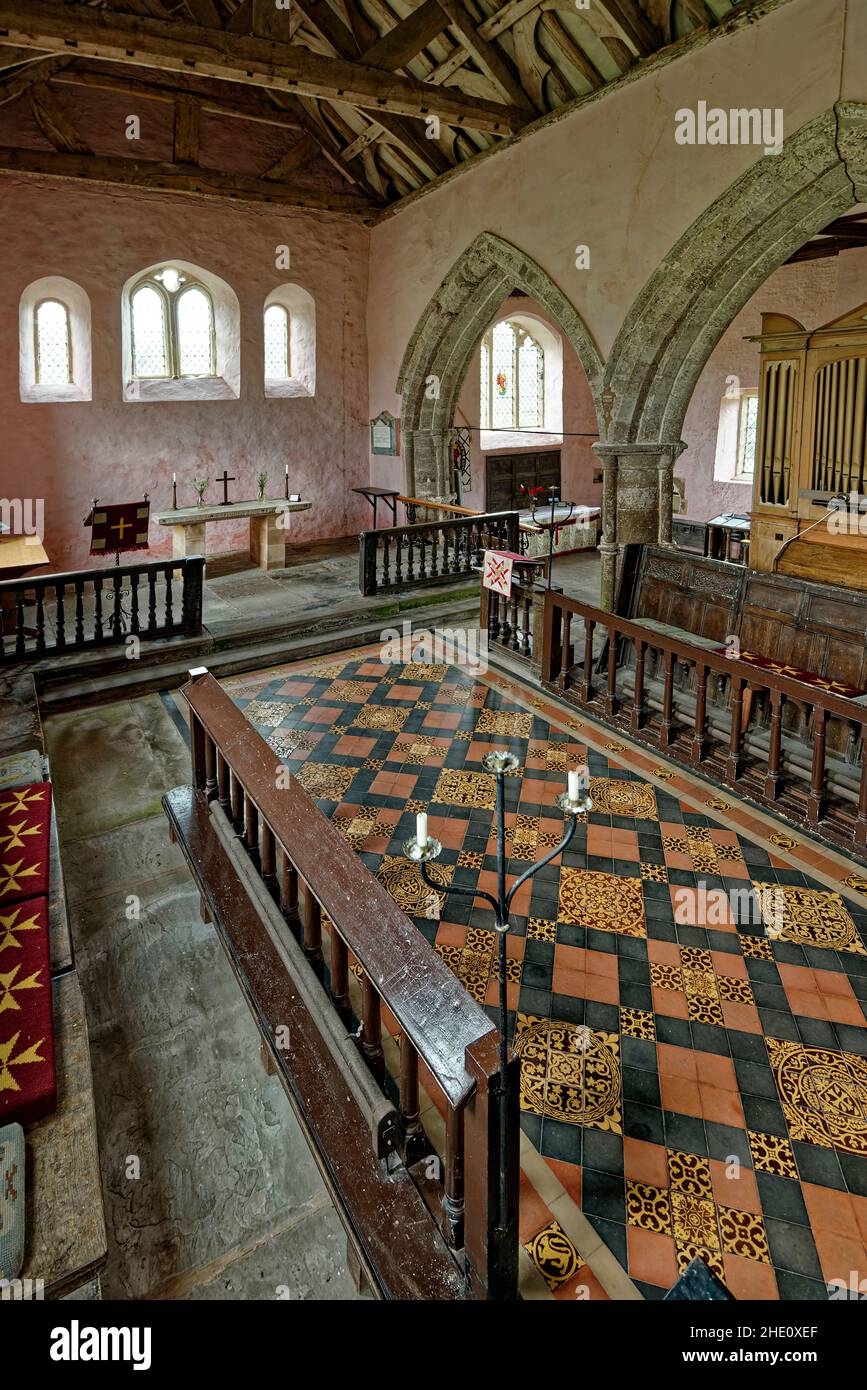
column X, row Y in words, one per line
column 118, row 526
column 28, row 1077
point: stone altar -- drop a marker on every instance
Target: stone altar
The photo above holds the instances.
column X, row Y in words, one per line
column 267, row 535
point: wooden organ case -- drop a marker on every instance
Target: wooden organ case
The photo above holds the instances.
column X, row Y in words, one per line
column 811, row 445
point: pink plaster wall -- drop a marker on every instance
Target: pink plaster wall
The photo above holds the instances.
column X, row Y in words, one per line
column 609, row 175
column 814, row 293
column 98, row 237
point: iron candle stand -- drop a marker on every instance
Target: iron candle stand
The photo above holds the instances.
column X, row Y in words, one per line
column 551, row 525
column 499, row 762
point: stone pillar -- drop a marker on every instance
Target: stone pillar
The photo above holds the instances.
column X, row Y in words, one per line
column 637, row 488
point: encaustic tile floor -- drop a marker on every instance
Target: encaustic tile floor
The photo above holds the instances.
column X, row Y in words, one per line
column 687, row 1002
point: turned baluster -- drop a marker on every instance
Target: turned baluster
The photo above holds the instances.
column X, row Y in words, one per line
column 587, row 684
column 116, row 624
column 410, row 556
column 59, row 616
column 434, row 554
column 223, row 783
column 733, row 762
column 398, row 558
column 816, row 799
column 386, row 561
column 422, row 557
column 97, row 616
column 152, row 600
column 288, row 887
column 20, row 646
column 772, row 776
column 79, row 612
column 611, row 691
column 699, row 740
column 40, row 618
column 410, row 1116
column 311, row 921
column 371, row 1028
column 168, row 577
column 526, row 640
column 453, row 1186
column 236, row 802
column 516, row 626
column 494, row 616
column 251, row 829
column 269, row 858
column 210, row 768
column 133, row 613
column 340, row 974
column 636, row 718
column 505, row 629
column 665, row 727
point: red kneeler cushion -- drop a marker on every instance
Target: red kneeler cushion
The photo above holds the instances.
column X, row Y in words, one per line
column 28, row 1079
column 25, row 826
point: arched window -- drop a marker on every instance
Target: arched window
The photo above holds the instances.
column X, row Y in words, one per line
column 277, row 343
column 172, row 328
column 52, row 344
column 512, row 379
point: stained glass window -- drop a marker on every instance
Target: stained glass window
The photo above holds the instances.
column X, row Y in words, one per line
column 195, row 331
column 53, row 352
column 149, row 337
column 172, row 328
column 748, row 416
column 512, row 379
column 276, row 343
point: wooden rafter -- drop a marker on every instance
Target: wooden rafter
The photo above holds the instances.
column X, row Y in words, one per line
column 259, row 62
column 186, row 130
column 22, row 78
column 178, row 178
column 54, row 122
column 407, row 39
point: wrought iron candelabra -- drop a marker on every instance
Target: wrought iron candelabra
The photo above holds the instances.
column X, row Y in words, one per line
column 423, row 848
column 550, row 523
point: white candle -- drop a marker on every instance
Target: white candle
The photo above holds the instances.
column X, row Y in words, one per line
column 421, row 829
column 174, row 477
column 573, row 780
column 286, row 474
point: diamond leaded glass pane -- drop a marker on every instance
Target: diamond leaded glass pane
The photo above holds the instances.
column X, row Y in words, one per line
column 529, row 384
column 276, row 342
column 195, row 333
column 485, row 392
column 503, row 377
column 749, row 416
column 53, row 362
column 149, row 333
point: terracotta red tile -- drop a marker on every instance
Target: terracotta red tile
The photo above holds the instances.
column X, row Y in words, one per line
column 677, row 1061
column 601, row 989
column 680, row 1095
column 713, row 1070
column 724, row 1107
column 840, row 1256
column 727, row 963
column 644, row 1162
column 749, row 1279
column 734, row 1185
column 832, row 1211
column 670, row 1003
column 663, row 952
column 744, row 1018
column 601, row 963
column 533, row 1214
column 651, row 1257
column 404, row 692
column 569, row 1174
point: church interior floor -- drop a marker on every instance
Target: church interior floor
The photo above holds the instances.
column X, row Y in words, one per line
column 686, row 1088
column 210, row 1189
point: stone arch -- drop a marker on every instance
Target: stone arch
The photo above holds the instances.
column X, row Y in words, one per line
column 438, row 354
column 679, row 316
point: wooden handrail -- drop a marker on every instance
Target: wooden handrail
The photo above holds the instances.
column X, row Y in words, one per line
column 432, row 1007
column 459, row 511
column 68, row 577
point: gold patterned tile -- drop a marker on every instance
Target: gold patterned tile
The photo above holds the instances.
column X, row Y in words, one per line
column 666, row 977
column 637, row 1023
column 267, row 713
column 743, row 1233
column 685, row 1253
column 541, row 929
column 613, row 797
column 734, row 990
column 380, row 717
column 325, row 780
column 348, row 692
column 570, row 1072
column 823, row 1094
column 694, row 1220
column 856, row 881
column 689, row 1173
column 423, row 672
column 404, row 882
column 470, row 859
column 495, row 721
column 554, row 1255
column 732, row 854
column 457, row 788
column 654, row 873
column 808, row 916
column 675, row 844
column 756, row 947
column 330, row 671
column 772, row 1154
column 648, row 1207
column 604, row 901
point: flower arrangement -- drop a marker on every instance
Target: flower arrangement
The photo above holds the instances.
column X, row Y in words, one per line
column 201, row 486
column 531, row 491
column 262, row 482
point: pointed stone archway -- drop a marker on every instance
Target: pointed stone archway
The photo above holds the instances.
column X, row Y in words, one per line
column 691, row 298
column 438, row 355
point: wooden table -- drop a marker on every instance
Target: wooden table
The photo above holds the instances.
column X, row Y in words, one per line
column 267, row 535
column 389, row 496
column 19, row 554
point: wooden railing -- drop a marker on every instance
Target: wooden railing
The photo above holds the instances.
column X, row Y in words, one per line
column 515, row 624
column 51, row 614
column 332, row 902
column 437, row 552
column 757, row 766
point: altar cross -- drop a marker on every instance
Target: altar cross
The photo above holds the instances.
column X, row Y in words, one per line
column 226, row 479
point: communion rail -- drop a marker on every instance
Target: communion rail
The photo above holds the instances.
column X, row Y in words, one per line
column 272, row 868
column 755, row 768
column 432, row 552
column 51, row 614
